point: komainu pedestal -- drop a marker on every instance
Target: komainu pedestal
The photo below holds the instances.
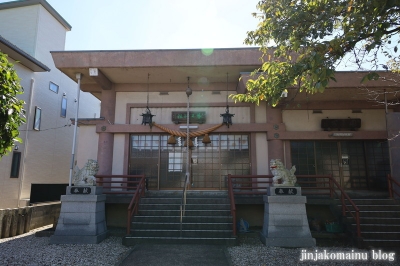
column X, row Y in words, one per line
column 82, row 218
column 285, row 218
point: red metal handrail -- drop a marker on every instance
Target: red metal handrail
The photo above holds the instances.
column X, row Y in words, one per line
column 391, row 189
column 233, row 205
column 345, row 208
column 310, row 185
column 137, row 188
column 249, row 189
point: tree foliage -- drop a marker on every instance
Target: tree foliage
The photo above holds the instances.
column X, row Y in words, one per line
column 304, row 41
column 12, row 114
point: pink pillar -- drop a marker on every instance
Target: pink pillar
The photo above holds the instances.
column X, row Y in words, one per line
column 275, row 145
column 393, row 127
column 106, row 140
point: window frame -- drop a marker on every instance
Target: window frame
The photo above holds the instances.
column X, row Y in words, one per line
column 15, row 164
column 63, row 112
column 37, row 119
column 51, row 87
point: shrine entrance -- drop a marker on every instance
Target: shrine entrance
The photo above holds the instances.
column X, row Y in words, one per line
column 165, row 165
column 356, row 164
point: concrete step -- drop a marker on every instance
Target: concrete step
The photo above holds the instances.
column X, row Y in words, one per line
column 373, row 202
column 207, row 219
column 379, row 214
column 376, row 220
column 379, row 222
column 376, row 207
column 186, row 219
column 187, row 212
column 189, row 200
column 185, row 226
column 379, row 243
column 378, row 227
column 381, row 235
column 184, row 233
column 169, row 206
column 149, row 200
column 131, row 241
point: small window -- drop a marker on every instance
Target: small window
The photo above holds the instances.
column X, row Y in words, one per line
column 38, row 117
column 64, row 107
column 16, row 160
column 53, row 87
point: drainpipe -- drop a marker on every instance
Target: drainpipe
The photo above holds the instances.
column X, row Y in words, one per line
column 78, row 76
column 26, row 140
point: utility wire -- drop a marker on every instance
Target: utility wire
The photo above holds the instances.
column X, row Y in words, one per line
column 46, row 128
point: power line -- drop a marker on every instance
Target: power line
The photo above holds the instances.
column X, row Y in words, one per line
column 46, row 128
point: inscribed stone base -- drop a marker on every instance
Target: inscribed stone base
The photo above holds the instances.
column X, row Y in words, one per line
column 77, row 239
column 285, row 219
column 82, row 218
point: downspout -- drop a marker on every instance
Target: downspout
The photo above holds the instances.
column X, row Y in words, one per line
column 78, row 76
column 26, row 141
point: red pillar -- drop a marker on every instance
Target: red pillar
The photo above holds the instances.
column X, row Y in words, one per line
column 393, row 127
column 275, row 145
column 106, row 140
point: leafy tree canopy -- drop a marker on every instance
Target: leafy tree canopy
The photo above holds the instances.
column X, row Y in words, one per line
column 11, row 108
column 304, row 41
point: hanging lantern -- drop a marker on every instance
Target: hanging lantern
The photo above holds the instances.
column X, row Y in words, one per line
column 171, row 140
column 147, row 117
column 206, row 139
column 227, row 117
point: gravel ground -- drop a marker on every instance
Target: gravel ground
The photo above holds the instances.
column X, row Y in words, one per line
column 28, row 250
column 251, row 252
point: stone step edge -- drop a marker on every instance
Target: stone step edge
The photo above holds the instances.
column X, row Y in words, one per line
column 178, row 216
column 372, row 205
column 376, row 211
column 180, row 198
column 394, row 218
column 188, row 210
column 378, row 224
column 177, row 230
column 197, row 238
column 380, row 232
column 180, row 223
column 188, row 204
column 382, row 240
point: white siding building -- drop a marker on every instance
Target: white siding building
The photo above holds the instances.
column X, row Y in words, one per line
column 29, row 30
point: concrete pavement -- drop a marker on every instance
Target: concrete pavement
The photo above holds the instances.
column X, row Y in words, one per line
column 177, row 255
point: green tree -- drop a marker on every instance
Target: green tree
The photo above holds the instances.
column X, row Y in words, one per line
column 12, row 114
column 304, row 41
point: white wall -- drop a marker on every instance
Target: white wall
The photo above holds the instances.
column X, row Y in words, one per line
column 118, row 154
column 124, row 98
column 19, row 26
column 47, row 153
column 305, row 120
column 87, row 144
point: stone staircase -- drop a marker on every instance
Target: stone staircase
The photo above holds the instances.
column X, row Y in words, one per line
column 379, row 222
column 207, row 219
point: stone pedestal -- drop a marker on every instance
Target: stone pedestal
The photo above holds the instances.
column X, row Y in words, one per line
column 285, row 219
column 82, row 217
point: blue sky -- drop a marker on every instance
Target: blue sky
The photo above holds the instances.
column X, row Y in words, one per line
column 156, row 24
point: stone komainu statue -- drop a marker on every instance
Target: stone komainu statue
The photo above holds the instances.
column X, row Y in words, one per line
column 85, row 176
column 282, row 176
